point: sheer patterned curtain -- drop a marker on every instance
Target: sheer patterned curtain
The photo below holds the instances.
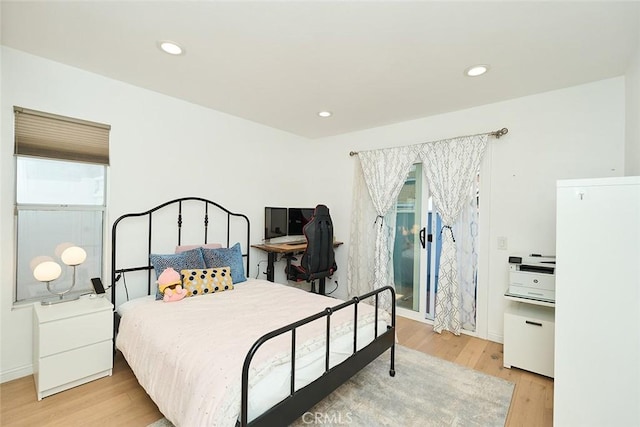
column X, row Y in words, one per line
column 466, row 232
column 384, row 172
column 362, row 238
column 450, row 167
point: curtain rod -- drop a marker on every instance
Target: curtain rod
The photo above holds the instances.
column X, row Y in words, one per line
column 497, row 133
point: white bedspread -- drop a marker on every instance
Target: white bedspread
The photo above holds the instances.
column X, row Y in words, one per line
column 188, row 355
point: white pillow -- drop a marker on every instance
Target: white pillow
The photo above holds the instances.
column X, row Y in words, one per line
column 131, row 305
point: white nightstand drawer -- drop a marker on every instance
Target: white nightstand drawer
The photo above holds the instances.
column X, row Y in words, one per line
column 72, row 332
column 63, row 368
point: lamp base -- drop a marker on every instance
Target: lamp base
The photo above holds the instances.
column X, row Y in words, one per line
column 59, row 300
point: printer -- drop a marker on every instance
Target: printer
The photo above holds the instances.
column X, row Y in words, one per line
column 532, row 277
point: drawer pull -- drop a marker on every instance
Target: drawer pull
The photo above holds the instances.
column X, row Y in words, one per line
column 529, row 322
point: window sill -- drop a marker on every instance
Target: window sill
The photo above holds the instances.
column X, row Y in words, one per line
column 21, row 305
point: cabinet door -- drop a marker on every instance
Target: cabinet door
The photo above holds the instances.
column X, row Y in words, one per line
column 597, row 372
column 528, row 343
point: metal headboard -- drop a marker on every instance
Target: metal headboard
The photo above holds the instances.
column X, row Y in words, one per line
column 117, row 271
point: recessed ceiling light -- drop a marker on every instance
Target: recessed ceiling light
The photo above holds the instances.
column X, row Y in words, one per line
column 476, row 70
column 170, row 47
column 325, row 113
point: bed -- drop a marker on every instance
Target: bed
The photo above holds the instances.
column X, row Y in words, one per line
column 259, row 354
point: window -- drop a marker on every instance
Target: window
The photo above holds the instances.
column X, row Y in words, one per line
column 60, row 198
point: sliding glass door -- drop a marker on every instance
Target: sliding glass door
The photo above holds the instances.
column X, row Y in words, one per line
column 415, row 269
column 408, row 255
column 417, row 246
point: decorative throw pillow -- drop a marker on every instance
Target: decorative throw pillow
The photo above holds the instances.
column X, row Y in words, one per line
column 191, row 259
column 206, row 281
column 231, row 257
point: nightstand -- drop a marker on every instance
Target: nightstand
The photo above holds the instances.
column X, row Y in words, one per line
column 72, row 344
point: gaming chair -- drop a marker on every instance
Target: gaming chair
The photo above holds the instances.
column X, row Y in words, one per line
column 318, row 259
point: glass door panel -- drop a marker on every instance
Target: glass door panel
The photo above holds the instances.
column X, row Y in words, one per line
column 407, row 247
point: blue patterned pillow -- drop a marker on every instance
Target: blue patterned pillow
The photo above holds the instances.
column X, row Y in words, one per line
column 194, row 259
column 191, row 259
column 223, row 257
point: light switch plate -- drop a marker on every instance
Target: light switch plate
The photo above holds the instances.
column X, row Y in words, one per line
column 502, row 243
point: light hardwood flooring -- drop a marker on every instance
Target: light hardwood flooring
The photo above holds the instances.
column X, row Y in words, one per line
column 532, row 401
column 119, row 400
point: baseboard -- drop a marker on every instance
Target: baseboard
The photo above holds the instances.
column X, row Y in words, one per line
column 495, row 337
column 14, row 374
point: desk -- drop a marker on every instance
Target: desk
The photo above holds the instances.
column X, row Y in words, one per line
column 273, row 249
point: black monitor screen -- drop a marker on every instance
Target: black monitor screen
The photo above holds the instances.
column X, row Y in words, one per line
column 275, row 222
column 298, row 217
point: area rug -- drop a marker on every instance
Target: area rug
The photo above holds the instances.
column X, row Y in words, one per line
column 426, row 391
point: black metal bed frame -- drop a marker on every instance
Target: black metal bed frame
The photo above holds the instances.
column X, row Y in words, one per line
column 301, row 400
column 298, row 401
column 116, row 273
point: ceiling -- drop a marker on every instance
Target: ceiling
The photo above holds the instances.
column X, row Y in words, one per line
column 370, row 63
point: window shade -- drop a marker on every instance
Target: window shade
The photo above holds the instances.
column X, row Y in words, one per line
column 57, row 137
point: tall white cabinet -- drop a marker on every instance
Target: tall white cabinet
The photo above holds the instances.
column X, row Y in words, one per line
column 597, row 346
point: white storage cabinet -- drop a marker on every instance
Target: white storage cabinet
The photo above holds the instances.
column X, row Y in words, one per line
column 72, row 344
column 529, row 337
column 597, row 360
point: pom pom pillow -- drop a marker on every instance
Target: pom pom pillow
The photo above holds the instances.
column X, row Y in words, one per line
column 206, row 281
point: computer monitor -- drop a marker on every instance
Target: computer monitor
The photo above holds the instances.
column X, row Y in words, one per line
column 298, row 217
column 275, row 222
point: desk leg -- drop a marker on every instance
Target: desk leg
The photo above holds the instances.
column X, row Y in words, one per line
column 271, row 260
column 322, row 287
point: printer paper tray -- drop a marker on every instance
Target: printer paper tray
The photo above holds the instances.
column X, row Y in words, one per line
column 521, row 294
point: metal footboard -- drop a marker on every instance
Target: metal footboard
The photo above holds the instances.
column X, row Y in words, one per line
column 300, row 401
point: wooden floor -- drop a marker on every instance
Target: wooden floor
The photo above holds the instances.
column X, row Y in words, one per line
column 119, row 400
column 532, row 401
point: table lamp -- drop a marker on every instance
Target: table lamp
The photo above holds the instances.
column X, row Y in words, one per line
column 49, row 271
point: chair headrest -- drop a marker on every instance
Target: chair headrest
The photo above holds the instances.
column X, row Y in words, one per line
column 321, row 210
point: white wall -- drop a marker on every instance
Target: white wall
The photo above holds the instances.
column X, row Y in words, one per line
column 572, row 133
column 632, row 81
column 160, row 147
